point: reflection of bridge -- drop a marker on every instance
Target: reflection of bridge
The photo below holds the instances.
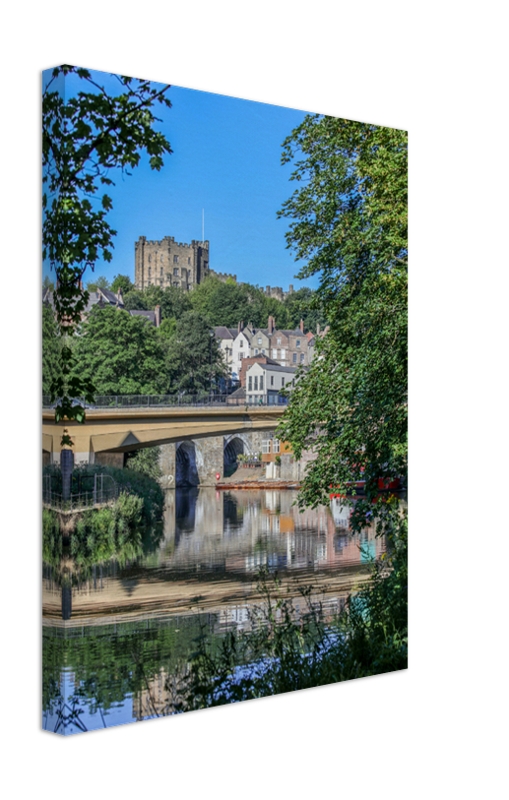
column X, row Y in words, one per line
column 119, row 430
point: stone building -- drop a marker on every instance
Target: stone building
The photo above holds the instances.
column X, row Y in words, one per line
column 170, row 263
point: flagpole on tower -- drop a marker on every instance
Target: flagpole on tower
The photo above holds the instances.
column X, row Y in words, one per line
column 203, row 225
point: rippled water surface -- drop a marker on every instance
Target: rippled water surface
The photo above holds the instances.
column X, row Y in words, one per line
column 117, row 637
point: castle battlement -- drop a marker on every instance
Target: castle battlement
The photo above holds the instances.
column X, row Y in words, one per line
column 223, row 276
column 181, row 264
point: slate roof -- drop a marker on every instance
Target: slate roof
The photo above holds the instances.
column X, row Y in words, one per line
column 222, row 332
column 151, row 315
column 277, row 368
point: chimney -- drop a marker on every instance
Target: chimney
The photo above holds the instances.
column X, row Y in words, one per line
column 157, row 311
column 241, row 326
column 271, row 325
column 302, row 326
column 120, row 296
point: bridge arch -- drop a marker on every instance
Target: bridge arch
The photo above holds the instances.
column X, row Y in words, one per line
column 186, row 464
column 234, row 445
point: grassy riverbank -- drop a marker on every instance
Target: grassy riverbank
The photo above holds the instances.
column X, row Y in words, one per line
column 114, row 531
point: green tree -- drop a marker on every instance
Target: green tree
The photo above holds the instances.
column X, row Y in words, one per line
column 87, row 134
column 301, row 305
column 48, row 284
column 122, row 282
column 101, row 282
column 348, row 220
column 174, row 302
column 51, row 368
column 136, row 301
column 194, row 359
column 121, row 353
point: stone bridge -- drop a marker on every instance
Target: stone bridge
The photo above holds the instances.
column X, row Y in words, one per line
column 195, row 442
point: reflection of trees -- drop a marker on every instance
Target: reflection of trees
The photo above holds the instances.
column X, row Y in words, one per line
column 110, row 662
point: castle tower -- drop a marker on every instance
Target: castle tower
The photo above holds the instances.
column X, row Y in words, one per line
column 170, row 263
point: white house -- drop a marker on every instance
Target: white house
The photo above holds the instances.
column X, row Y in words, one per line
column 265, row 381
column 241, row 348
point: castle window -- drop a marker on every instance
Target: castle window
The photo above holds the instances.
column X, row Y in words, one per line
column 295, row 358
column 162, row 259
column 149, row 258
column 149, row 272
column 176, row 271
column 175, row 283
column 161, row 272
column 188, row 260
column 175, row 259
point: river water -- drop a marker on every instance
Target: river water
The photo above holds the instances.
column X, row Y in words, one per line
column 118, row 636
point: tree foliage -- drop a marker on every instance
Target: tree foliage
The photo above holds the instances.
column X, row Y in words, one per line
column 122, row 354
column 194, row 360
column 122, row 282
column 86, row 135
column 51, row 367
column 348, row 220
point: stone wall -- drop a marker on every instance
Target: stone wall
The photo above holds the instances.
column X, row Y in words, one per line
column 196, row 462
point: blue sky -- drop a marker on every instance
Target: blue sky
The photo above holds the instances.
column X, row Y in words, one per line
column 226, row 160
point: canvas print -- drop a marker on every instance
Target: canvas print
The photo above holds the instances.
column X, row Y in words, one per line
column 224, row 400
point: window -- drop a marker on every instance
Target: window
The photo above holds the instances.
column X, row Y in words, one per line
column 161, row 272
column 259, row 340
column 175, row 283
column 250, row 384
column 295, row 358
column 149, row 258
column 266, row 446
column 272, row 380
column 282, row 383
column 263, row 350
column 298, row 342
column 149, row 272
column 256, row 383
column 279, row 341
column 275, row 445
column 176, row 271
column 261, row 383
column 188, row 260
column 256, row 352
column 241, row 343
column 175, row 259
column 302, row 358
column 162, row 259
column 274, row 352
column 241, row 356
column 283, row 352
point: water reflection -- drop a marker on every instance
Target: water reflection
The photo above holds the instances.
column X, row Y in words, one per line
column 118, row 635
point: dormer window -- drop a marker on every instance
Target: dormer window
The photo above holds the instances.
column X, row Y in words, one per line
column 279, row 341
column 259, row 340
